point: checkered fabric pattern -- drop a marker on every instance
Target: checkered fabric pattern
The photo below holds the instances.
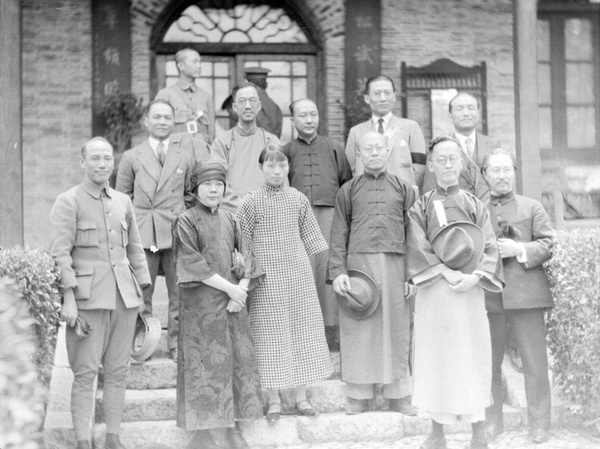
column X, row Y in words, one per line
column 285, row 315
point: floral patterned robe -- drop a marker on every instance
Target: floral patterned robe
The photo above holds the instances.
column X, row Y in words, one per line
column 217, row 375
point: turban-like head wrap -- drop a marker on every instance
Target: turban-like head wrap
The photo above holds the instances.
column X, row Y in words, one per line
column 207, row 171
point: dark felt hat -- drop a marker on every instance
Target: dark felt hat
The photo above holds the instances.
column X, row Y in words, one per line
column 363, row 299
column 459, row 245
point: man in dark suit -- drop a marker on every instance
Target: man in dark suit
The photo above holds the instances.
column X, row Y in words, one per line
column 525, row 241
column 405, row 141
column 156, row 175
column 465, row 112
column 96, row 245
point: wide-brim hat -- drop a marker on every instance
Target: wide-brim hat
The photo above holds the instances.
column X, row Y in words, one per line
column 146, row 337
column 459, row 245
column 362, row 301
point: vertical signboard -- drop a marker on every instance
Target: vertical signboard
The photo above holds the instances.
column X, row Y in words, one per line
column 111, row 31
column 362, row 53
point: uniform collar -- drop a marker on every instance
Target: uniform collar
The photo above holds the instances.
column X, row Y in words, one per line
column 95, row 190
column 184, row 85
column 502, row 199
column 449, row 191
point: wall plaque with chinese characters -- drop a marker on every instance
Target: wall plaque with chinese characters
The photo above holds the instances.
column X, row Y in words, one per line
column 363, row 46
column 111, row 47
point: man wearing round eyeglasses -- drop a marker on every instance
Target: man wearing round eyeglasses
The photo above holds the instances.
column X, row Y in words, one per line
column 239, row 148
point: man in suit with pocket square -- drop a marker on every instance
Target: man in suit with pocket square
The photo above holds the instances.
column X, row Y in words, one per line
column 405, row 141
column 96, row 245
column 156, row 176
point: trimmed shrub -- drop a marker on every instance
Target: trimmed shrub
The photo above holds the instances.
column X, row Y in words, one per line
column 36, row 276
column 22, row 393
column 574, row 323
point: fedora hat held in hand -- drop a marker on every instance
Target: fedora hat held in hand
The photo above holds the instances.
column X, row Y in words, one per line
column 146, row 337
column 459, row 245
column 363, row 299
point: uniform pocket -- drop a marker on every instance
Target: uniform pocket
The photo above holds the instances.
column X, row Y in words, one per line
column 84, row 279
column 86, row 234
column 124, row 233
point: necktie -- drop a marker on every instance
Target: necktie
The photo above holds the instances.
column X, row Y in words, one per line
column 469, row 147
column 160, row 152
column 380, row 127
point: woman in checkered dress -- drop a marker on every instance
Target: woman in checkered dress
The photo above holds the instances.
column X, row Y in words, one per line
column 285, row 315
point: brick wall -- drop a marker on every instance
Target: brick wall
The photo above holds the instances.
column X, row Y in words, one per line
column 57, row 83
column 466, row 31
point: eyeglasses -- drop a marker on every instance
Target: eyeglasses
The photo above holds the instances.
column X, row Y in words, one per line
column 443, row 160
column 242, row 101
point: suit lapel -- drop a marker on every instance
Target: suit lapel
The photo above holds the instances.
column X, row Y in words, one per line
column 171, row 162
column 149, row 161
column 395, row 129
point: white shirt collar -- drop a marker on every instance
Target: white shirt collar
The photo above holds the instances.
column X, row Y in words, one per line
column 461, row 138
column 154, row 143
column 386, row 120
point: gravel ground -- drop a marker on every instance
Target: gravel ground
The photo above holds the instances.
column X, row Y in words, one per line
column 561, row 439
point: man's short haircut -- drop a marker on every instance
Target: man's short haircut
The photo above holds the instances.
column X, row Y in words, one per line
column 157, row 101
column 295, row 102
column 182, row 54
column 495, row 151
column 461, row 94
column 440, row 139
column 237, row 87
column 378, row 78
column 94, row 139
column 273, row 153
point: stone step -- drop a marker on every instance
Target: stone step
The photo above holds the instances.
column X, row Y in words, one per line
column 161, row 372
column 293, row 430
column 160, row 404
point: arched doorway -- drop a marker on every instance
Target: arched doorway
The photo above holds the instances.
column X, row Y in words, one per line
column 231, row 38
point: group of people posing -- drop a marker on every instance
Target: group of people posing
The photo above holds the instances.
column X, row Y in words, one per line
column 276, row 254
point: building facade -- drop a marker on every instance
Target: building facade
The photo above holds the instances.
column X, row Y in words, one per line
column 75, row 52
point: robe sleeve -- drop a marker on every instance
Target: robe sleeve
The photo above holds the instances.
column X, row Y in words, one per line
column 192, row 267
column 489, row 267
column 343, row 166
column 310, row 233
column 253, row 270
column 423, row 266
column 246, row 215
column 340, row 232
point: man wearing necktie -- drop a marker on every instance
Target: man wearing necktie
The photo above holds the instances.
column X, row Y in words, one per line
column 405, row 141
column 525, row 239
column 96, row 245
column 465, row 112
column 156, row 175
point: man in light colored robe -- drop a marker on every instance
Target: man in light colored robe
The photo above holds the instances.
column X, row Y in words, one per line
column 452, row 367
column 239, row 148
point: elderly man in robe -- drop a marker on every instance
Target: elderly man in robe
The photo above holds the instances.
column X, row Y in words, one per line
column 239, row 148
column 451, row 256
column 368, row 235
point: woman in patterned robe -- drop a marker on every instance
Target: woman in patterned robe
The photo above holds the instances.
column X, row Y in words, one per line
column 217, row 376
column 285, row 315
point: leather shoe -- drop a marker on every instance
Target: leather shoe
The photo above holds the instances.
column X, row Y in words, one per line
column 434, row 442
column 403, row 406
column 493, row 430
column 356, row 406
column 305, row 409
column 237, row 439
column 112, row 442
column 539, row 435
